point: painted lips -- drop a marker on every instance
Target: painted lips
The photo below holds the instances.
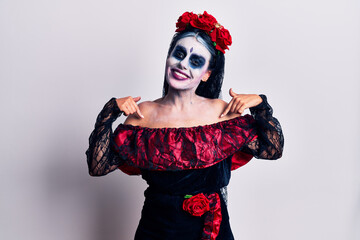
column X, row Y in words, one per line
column 177, row 74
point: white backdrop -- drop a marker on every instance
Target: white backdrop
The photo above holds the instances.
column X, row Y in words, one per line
column 62, row 60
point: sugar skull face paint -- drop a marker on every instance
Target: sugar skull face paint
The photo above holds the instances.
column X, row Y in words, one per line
column 195, row 60
column 187, row 64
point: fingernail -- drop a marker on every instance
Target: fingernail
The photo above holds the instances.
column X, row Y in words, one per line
column 221, row 115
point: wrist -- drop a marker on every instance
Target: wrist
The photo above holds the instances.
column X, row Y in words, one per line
column 262, row 105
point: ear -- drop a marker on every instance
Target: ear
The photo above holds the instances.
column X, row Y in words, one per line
column 206, row 76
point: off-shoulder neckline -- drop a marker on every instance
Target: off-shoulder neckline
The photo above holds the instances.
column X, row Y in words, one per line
column 212, row 125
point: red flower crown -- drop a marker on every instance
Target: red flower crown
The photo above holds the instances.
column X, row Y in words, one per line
column 206, row 22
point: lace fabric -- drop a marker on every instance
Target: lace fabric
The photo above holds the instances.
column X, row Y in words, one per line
column 270, row 142
column 101, row 157
column 103, row 153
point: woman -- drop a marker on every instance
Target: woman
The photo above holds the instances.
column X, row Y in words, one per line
column 186, row 143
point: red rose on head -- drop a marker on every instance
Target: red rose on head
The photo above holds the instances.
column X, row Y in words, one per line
column 226, row 37
column 196, row 205
column 222, row 38
column 205, row 22
column 184, row 20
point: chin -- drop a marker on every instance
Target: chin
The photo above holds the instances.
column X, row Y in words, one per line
column 186, row 84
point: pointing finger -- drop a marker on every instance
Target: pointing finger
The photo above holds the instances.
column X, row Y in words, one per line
column 138, row 111
column 236, row 105
column 227, row 109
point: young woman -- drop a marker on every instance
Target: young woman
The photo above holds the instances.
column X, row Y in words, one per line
column 185, row 143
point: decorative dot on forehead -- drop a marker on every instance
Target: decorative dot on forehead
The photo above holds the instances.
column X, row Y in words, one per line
column 191, row 49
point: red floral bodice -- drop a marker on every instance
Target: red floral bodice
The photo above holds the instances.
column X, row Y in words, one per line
column 132, row 148
column 184, row 148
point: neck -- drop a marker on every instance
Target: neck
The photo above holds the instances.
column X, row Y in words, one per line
column 181, row 100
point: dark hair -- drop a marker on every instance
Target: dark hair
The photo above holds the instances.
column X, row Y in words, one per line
column 212, row 87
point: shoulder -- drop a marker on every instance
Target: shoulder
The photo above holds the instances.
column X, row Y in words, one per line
column 146, row 108
column 219, row 106
column 219, row 103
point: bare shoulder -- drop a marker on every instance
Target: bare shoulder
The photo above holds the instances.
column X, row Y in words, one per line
column 146, row 108
column 219, row 103
column 219, row 106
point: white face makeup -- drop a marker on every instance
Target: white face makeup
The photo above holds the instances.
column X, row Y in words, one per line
column 187, row 64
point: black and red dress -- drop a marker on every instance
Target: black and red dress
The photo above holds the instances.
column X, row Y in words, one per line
column 187, row 169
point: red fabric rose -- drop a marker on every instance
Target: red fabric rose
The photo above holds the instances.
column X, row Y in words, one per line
column 184, row 20
column 204, row 22
column 225, row 38
column 222, row 38
column 196, row 205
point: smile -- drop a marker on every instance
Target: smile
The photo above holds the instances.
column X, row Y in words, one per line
column 177, row 74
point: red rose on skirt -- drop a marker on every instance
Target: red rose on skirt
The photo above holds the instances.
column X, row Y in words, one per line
column 196, row 205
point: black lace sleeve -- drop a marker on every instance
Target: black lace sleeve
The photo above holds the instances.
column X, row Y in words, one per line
column 270, row 141
column 101, row 158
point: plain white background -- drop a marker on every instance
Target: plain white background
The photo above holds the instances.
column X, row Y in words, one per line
column 62, row 60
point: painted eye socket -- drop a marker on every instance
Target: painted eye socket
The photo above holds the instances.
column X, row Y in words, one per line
column 178, row 54
column 197, row 62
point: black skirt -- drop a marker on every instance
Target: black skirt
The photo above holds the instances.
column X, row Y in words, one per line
column 163, row 217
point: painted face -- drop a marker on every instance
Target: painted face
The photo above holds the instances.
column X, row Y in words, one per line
column 187, row 64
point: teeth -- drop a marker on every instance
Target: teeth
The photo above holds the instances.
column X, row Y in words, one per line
column 181, row 75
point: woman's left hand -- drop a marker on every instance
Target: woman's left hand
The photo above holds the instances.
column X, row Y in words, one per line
column 240, row 102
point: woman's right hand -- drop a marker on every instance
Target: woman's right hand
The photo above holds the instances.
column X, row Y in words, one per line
column 128, row 105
